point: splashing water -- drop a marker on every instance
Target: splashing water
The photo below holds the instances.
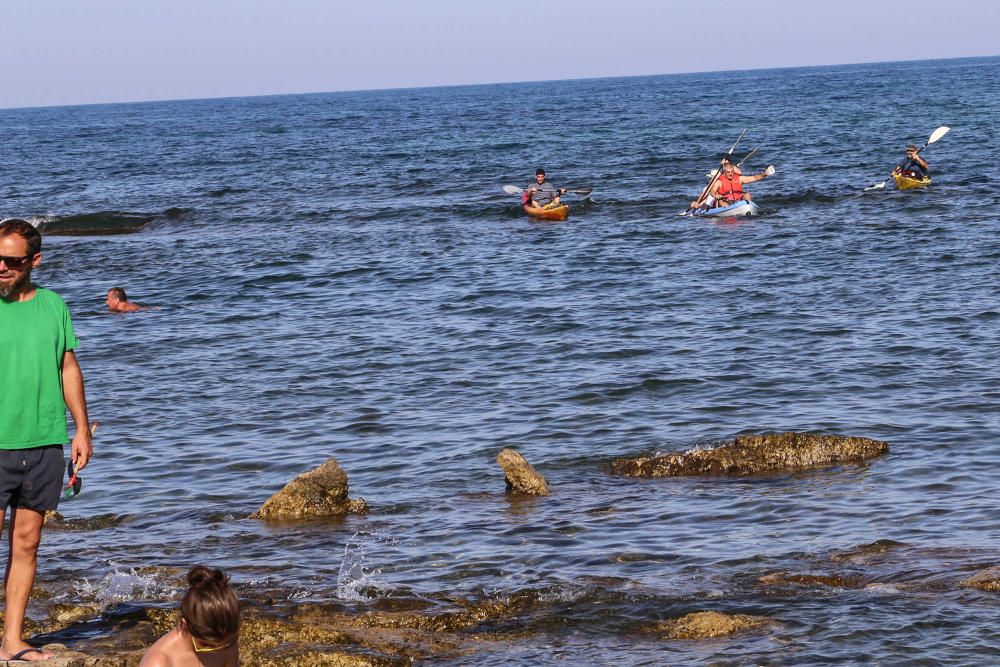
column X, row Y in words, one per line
column 124, row 585
column 355, row 582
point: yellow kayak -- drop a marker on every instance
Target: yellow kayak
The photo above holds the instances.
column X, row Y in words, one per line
column 560, row 212
column 907, row 183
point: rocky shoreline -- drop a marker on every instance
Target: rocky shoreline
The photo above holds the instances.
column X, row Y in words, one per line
column 405, row 628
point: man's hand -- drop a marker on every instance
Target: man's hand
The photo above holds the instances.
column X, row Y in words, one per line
column 82, row 447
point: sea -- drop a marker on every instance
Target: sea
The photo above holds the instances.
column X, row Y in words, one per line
column 342, row 275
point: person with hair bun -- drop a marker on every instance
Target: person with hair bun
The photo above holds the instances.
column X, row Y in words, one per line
column 209, row 629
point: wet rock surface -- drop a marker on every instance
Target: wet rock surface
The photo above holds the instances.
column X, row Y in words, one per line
column 866, row 552
column 987, row 580
column 318, row 493
column 521, row 477
column 441, row 627
column 778, row 579
column 64, row 657
column 308, row 635
column 708, row 625
column 754, row 455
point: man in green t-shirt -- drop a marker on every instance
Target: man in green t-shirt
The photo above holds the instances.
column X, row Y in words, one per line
column 41, row 378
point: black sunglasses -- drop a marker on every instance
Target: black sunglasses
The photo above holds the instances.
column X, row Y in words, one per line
column 16, row 263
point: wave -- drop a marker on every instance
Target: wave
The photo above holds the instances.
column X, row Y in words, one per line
column 104, row 222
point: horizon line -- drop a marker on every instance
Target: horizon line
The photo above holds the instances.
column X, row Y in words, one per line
column 486, row 83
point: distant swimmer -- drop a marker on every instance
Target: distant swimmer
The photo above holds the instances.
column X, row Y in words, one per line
column 728, row 188
column 912, row 166
column 541, row 193
column 119, row 303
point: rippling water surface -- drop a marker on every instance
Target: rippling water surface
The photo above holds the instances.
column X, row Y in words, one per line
column 342, row 275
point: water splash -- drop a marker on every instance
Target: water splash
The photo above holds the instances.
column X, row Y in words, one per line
column 124, row 585
column 355, row 582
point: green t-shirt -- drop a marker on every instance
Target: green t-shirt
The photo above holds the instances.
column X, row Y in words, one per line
column 34, row 336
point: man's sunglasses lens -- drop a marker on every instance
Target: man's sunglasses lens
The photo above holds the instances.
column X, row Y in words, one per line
column 15, row 263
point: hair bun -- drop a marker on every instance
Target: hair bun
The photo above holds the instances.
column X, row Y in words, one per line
column 201, row 575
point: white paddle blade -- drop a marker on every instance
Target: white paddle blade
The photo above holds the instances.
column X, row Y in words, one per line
column 938, row 133
column 769, row 171
column 876, row 186
column 512, row 189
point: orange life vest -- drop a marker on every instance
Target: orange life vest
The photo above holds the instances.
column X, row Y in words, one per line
column 730, row 187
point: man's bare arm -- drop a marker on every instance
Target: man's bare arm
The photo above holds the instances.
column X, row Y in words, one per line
column 82, row 447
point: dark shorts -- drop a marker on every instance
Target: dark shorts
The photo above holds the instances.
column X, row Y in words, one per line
column 31, row 478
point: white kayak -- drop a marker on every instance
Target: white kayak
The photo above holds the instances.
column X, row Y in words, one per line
column 738, row 209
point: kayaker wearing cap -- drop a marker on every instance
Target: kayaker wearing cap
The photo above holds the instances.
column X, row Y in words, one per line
column 912, row 165
column 541, row 193
column 728, row 188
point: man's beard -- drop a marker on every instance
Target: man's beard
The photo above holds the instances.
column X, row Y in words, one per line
column 14, row 288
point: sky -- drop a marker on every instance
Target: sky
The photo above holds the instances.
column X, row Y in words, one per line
column 57, row 52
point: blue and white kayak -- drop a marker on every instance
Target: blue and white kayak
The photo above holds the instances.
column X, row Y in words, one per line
column 738, row 209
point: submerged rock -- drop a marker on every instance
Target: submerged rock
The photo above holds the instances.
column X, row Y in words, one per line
column 709, row 624
column 317, row 493
column 987, row 580
column 866, row 552
column 809, row 580
column 521, row 476
column 754, row 455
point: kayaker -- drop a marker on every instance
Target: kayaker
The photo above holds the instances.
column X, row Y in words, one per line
column 541, row 193
column 728, row 188
column 912, row 166
column 700, row 201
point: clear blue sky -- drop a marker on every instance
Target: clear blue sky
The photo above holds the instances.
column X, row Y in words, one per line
column 84, row 51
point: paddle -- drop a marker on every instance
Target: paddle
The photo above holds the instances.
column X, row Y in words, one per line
column 514, row 190
column 738, row 164
column 748, row 156
column 715, row 177
column 935, row 135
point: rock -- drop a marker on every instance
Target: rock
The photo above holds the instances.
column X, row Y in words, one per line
column 65, row 614
column 521, row 476
column 987, row 580
column 755, row 455
column 708, row 624
column 810, row 580
column 317, row 493
column 63, row 657
column 867, row 552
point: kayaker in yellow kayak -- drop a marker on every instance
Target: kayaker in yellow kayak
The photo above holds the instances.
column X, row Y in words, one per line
column 541, row 193
column 912, row 166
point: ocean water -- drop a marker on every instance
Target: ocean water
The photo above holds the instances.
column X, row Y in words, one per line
column 342, row 275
